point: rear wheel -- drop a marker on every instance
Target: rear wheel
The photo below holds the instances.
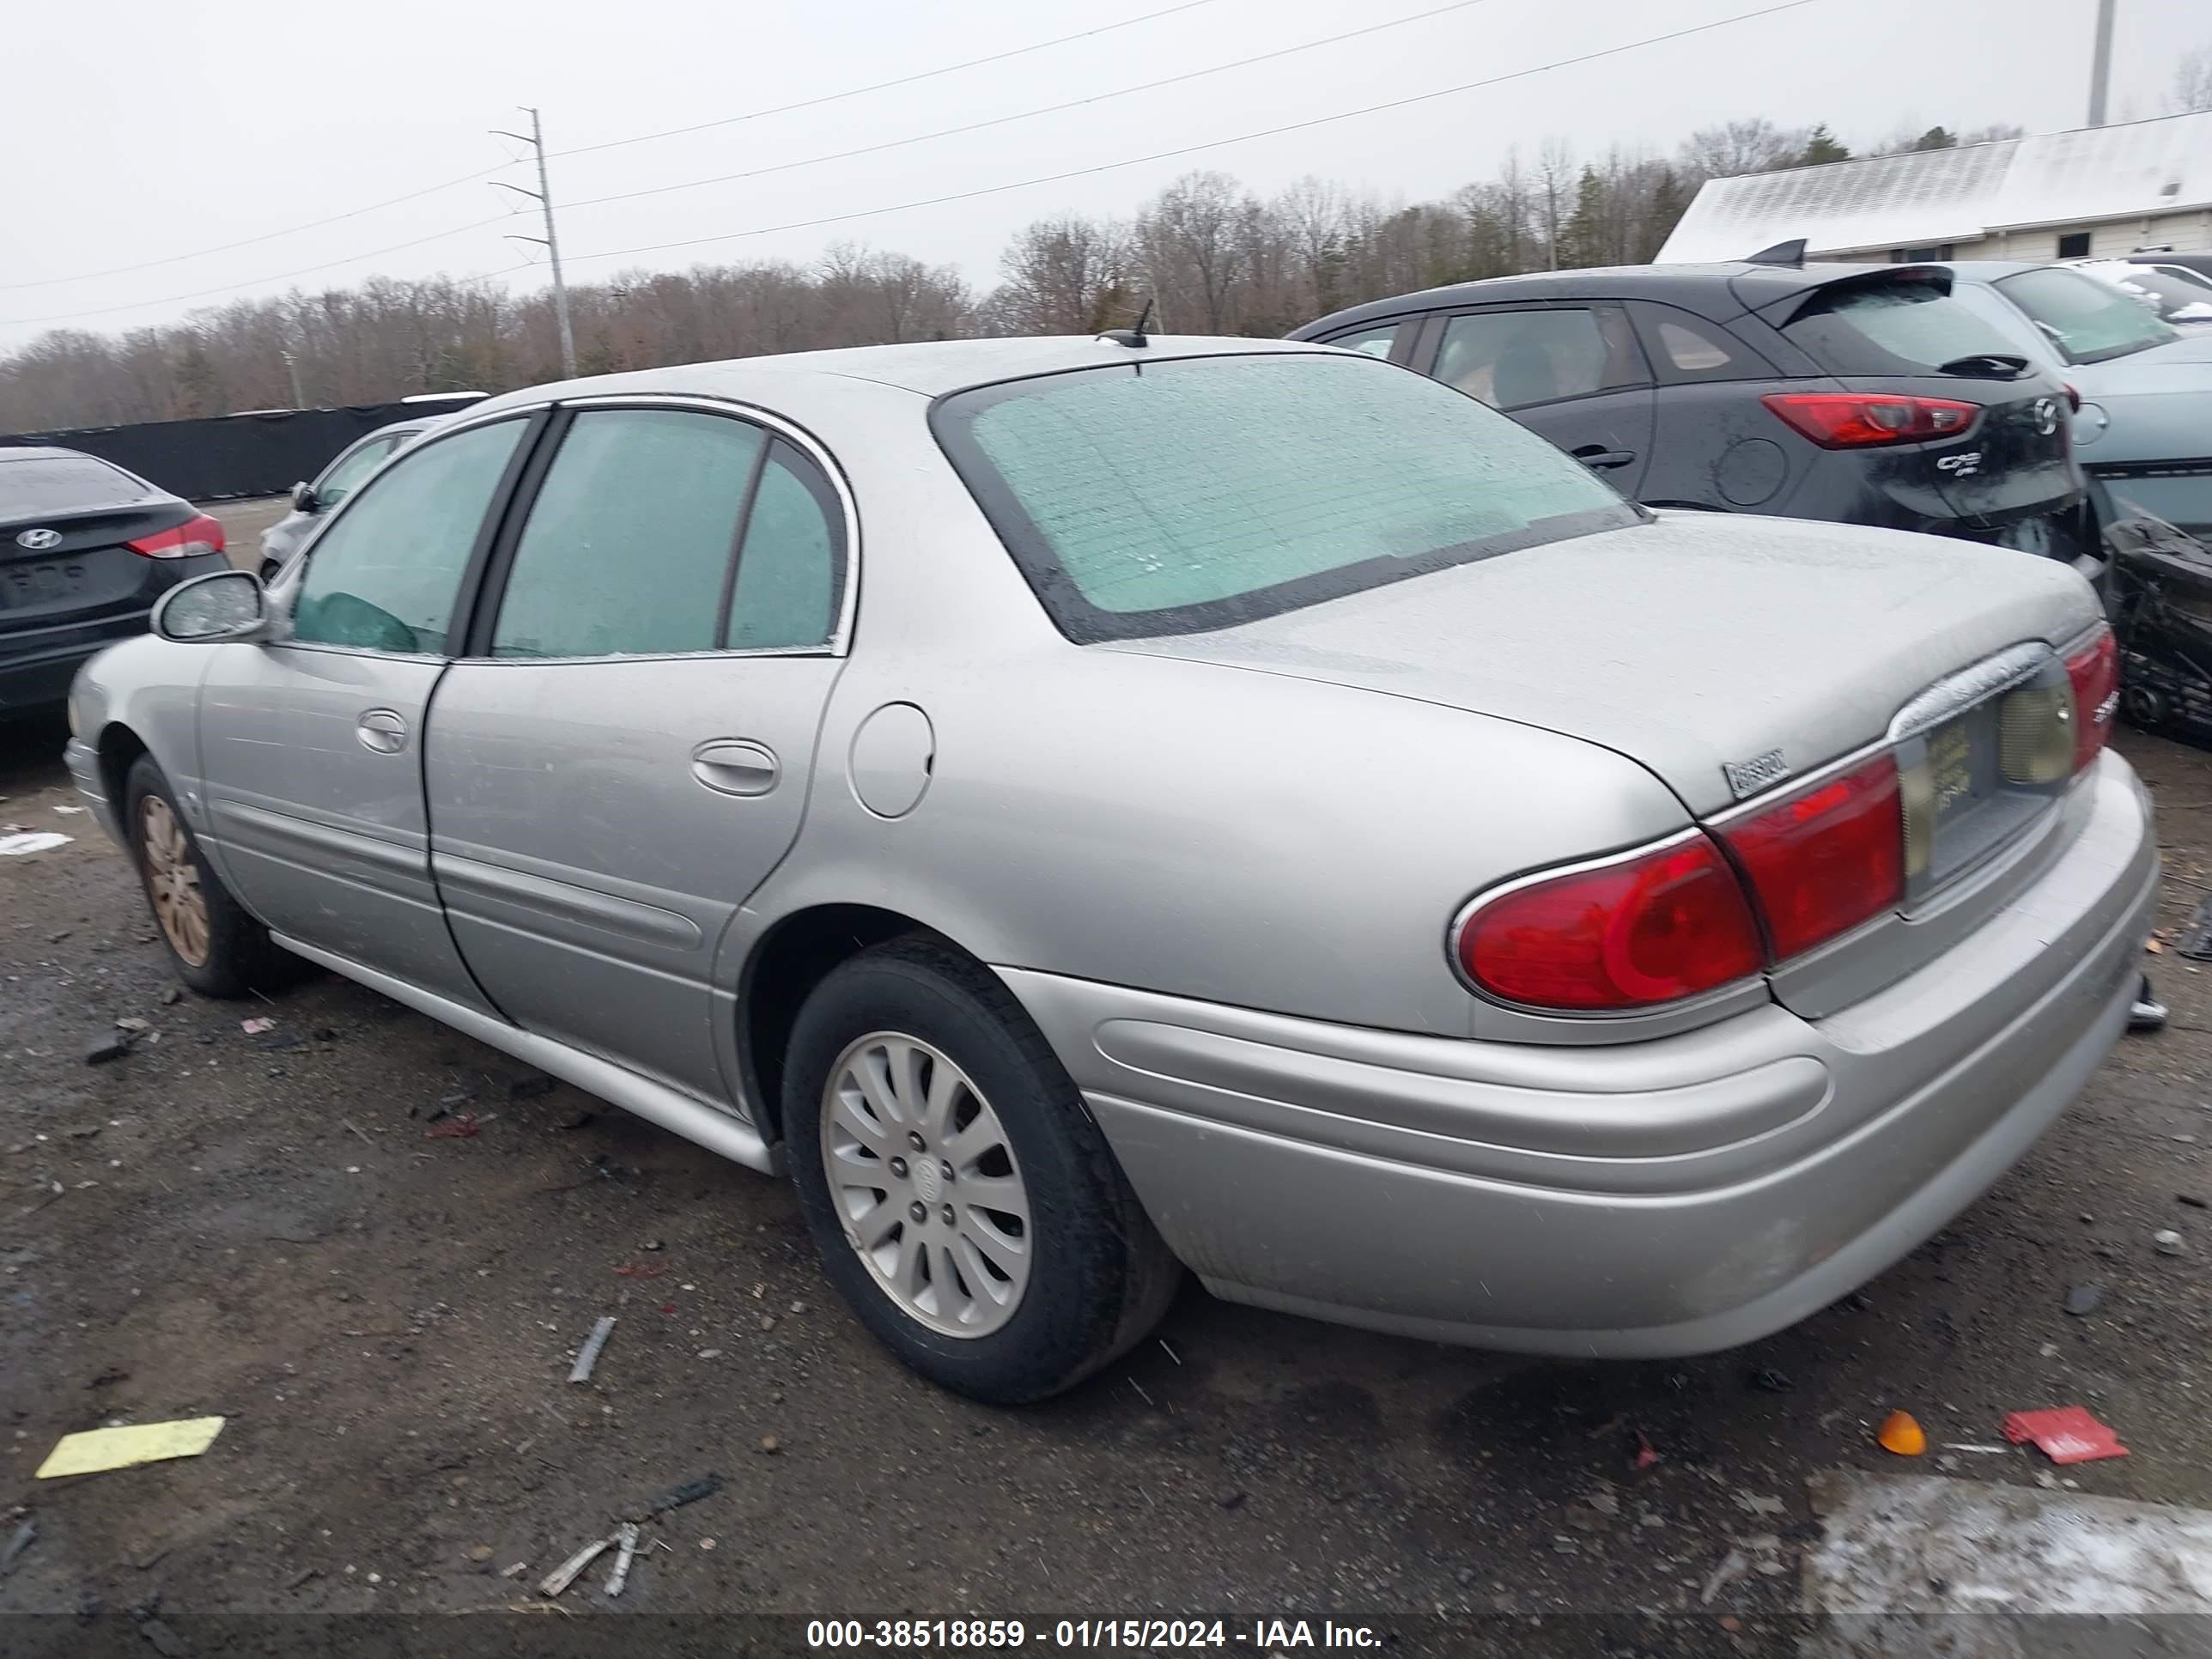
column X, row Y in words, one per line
column 217, row 948
column 965, row 1202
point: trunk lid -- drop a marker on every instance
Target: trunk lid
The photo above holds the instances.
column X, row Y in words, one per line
column 1695, row 643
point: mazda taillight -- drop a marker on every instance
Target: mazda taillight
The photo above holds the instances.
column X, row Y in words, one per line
column 1654, row 926
column 2093, row 668
column 1861, row 420
column 197, row 535
column 1825, row 859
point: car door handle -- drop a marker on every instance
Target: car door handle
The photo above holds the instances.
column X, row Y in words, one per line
column 381, row 730
column 1598, row 456
column 733, row 766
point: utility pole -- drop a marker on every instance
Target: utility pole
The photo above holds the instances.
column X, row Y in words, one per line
column 2100, row 64
column 551, row 242
column 292, row 367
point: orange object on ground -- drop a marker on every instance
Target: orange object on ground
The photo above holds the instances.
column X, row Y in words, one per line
column 1901, row 1434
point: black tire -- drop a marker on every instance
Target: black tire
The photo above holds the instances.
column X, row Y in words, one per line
column 1101, row 1277
column 239, row 955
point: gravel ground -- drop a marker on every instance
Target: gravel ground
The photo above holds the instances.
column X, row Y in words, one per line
column 277, row 1229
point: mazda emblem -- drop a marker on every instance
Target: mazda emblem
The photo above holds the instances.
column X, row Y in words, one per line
column 39, row 540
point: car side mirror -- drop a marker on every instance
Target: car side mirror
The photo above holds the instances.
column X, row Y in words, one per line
column 303, row 498
column 228, row 606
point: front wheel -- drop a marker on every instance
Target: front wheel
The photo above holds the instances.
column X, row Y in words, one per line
column 216, row 947
column 965, row 1202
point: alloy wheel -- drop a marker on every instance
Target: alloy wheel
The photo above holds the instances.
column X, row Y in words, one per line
column 925, row 1184
column 173, row 881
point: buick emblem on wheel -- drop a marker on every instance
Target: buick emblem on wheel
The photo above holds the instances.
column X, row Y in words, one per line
column 39, row 540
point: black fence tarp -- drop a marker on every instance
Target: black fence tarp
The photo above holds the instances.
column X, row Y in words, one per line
column 233, row 455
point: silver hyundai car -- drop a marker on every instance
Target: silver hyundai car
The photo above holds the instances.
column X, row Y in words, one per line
column 1086, row 809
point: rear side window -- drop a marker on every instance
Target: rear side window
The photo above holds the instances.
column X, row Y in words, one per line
column 1687, row 347
column 2089, row 321
column 1199, row 493
column 1514, row 359
column 56, row 486
column 630, row 543
column 793, row 557
column 1889, row 328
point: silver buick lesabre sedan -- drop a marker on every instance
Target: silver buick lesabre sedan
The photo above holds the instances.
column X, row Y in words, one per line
column 1090, row 808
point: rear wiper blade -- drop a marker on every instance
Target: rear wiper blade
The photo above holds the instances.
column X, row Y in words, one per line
column 1986, row 365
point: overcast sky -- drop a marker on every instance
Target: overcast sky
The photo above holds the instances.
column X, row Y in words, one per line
column 141, row 129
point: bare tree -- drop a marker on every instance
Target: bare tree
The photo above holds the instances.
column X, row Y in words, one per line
column 1065, row 275
column 2193, row 81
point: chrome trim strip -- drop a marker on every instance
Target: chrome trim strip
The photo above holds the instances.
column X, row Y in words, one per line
column 1789, row 788
column 1954, row 694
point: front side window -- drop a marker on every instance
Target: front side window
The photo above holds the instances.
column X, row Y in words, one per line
column 339, row 482
column 1514, row 359
column 2089, row 321
column 386, row 573
column 1191, row 494
column 629, row 546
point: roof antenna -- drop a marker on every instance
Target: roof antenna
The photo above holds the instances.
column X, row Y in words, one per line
column 1132, row 337
column 1782, row 253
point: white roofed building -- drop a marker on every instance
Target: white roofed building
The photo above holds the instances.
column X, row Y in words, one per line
column 2092, row 192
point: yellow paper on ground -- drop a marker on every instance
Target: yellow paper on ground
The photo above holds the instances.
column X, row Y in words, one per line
column 137, row 1442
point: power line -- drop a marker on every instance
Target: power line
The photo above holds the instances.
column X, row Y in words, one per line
column 1213, row 143
column 282, row 275
column 1030, row 114
column 612, row 143
column 250, row 241
column 882, row 86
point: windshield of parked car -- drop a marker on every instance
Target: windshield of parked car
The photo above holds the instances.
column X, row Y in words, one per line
column 51, row 486
column 2178, row 295
column 1907, row 324
column 2089, row 321
column 1183, row 494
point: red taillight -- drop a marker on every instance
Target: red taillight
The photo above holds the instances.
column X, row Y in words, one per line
column 1826, row 859
column 197, row 535
column 1856, row 420
column 1649, row 928
column 2094, row 670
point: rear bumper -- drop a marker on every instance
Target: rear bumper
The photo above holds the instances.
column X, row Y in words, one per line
column 38, row 664
column 1667, row 1197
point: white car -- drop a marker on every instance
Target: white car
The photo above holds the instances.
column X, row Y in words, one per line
column 2181, row 298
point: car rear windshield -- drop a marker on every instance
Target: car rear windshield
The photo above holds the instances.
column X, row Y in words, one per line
column 2089, row 321
column 58, row 485
column 1173, row 496
column 1909, row 325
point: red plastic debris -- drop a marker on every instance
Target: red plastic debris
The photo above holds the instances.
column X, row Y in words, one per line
column 461, row 1129
column 668, row 1307
column 640, row 1270
column 2068, row 1434
column 1645, row 1455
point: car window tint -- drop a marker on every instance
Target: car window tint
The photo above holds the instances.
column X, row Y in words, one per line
column 1886, row 327
column 1374, row 342
column 2090, row 321
column 1688, row 348
column 792, row 560
column 385, row 574
column 629, row 541
column 43, row 486
column 1203, row 492
column 1511, row 359
column 340, row 482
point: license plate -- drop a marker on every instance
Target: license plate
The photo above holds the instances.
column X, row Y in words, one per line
column 1962, row 764
column 38, row 584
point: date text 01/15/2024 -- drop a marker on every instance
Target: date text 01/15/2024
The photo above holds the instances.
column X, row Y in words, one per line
column 1144, row 1634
